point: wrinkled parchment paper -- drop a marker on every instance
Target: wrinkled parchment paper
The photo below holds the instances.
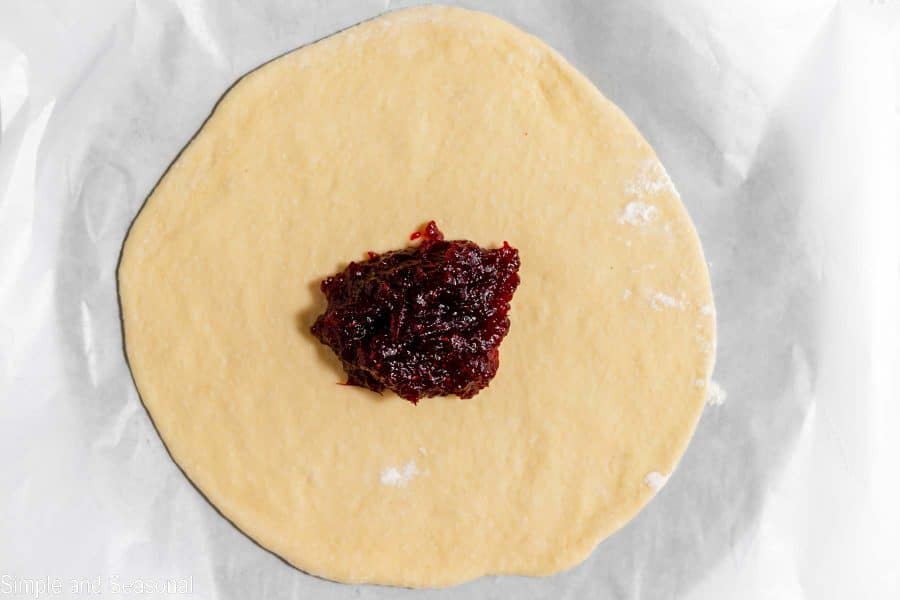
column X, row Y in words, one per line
column 778, row 122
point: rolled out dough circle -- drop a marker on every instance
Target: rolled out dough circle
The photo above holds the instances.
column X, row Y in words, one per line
column 345, row 146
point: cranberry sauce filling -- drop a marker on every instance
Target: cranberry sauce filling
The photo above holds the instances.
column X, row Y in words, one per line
column 423, row 321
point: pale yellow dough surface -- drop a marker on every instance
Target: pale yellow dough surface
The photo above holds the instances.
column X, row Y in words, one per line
column 345, row 146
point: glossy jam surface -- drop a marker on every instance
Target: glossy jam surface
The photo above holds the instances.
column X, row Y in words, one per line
column 423, row 321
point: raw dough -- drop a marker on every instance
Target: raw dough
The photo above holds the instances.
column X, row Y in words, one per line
column 345, row 146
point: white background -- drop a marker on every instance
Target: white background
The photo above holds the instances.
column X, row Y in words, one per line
column 778, row 122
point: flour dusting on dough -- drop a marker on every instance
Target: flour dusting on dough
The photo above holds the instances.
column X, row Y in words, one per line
column 660, row 300
column 399, row 477
column 638, row 213
column 708, row 309
column 716, row 394
column 626, row 294
column 651, row 179
column 655, row 481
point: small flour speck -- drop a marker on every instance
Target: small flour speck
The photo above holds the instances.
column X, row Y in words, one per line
column 655, row 481
column 660, row 301
column 700, row 383
column 708, row 309
column 626, row 294
column 399, row 476
column 716, row 394
column 651, row 179
column 638, row 213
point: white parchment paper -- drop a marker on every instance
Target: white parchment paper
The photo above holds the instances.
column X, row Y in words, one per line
column 778, row 122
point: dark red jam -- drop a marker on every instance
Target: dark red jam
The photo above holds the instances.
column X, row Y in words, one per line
column 423, row 321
